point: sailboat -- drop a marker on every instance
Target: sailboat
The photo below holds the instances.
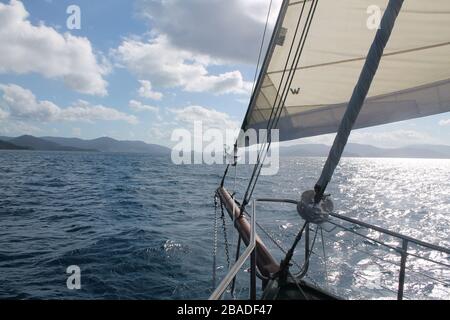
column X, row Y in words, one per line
column 329, row 70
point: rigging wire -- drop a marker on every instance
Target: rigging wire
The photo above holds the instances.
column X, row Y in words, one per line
column 263, row 40
column 304, row 270
column 272, row 124
column 285, row 263
column 388, row 246
column 262, row 45
column 312, row 252
column 323, row 256
column 272, row 112
column 287, row 85
column 270, row 236
column 375, row 256
column 358, row 274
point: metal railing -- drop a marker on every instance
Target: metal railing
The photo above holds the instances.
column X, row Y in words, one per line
column 250, row 252
column 406, row 241
column 402, row 250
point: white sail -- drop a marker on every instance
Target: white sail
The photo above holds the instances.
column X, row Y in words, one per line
column 413, row 79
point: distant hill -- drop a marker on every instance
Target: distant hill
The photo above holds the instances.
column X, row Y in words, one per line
column 4, row 145
column 438, row 149
column 106, row 144
column 310, row 150
column 111, row 145
column 367, row 151
column 39, row 144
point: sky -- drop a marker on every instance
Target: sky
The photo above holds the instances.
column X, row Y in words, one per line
column 137, row 70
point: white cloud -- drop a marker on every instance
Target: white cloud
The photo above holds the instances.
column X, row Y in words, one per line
column 11, row 128
column 228, row 30
column 209, row 117
column 157, row 133
column 226, row 83
column 445, row 122
column 169, row 66
column 161, row 130
column 84, row 111
column 146, row 91
column 140, row 107
column 202, row 126
column 21, row 104
column 27, row 48
column 3, row 114
column 76, row 132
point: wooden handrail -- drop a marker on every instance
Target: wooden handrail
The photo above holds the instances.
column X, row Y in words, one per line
column 266, row 263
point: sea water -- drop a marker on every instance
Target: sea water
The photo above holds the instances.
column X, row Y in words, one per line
column 139, row 227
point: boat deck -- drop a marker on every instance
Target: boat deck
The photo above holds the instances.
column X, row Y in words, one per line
column 295, row 291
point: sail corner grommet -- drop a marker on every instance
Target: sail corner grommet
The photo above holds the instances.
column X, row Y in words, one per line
column 312, row 212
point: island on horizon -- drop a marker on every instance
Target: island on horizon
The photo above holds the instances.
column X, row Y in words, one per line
column 106, row 144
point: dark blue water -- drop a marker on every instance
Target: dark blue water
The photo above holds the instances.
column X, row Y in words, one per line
column 137, row 226
column 140, row 227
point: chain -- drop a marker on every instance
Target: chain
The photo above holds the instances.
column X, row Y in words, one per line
column 216, row 206
column 227, row 250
